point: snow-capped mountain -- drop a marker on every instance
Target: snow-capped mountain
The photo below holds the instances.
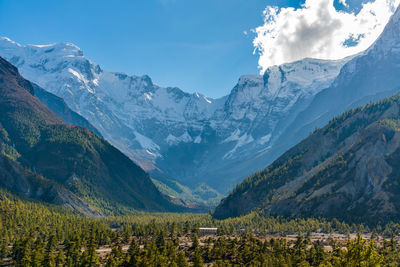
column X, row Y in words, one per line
column 172, row 133
column 367, row 77
column 343, row 170
column 194, row 139
column 370, row 76
column 156, row 125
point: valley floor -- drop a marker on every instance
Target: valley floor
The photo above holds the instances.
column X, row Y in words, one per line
column 36, row 234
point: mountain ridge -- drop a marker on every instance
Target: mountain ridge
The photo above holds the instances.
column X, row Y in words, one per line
column 184, row 121
column 346, row 170
column 61, row 109
column 41, row 153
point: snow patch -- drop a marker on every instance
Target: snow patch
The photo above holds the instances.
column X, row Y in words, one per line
column 235, row 136
column 241, row 141
column 197, row 140
column 207, row 100
column 42, row 46
column 147, row 96
column 184, row 138
column 264, row 139
column 76, row 74
column 7, row 42
column 150, row 153
column 147, row 144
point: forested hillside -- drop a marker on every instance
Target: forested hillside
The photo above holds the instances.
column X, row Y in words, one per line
column 44, row 158
column 349, row 170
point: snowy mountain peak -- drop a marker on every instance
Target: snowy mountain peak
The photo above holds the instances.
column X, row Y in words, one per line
column 134, row 100
column 63, row 49
column 151, row 124
column 389, row 39
column 245, row 80
column 258, row 97
column 307, row 74
column 6, row 42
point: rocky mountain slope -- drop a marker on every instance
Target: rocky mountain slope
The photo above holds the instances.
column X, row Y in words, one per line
column 23, row 182
column 61, row 109
column 46, row 159
column 370, row 76
column 198, row 140
column 367, row 77
column 349, row 170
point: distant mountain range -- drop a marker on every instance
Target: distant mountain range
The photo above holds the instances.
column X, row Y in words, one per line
column 175, row 135
column 350, row 168
column 195, row 142
column 42, row 157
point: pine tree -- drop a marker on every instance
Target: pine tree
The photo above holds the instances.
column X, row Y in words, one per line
column 195, row 241
column 181, row 260
column 358, row 254
column 49, row 260
column 111, row 261
column 115, row 257
column 60, row 258
column 197, row 259
column 38, row 253
column 3, row 249
column 21, row 252
column 132, row 254
column 160, row 241
column 174, row 233
column 90, row 258
column 73, row 251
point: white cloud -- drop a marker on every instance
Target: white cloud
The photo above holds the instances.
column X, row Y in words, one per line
column 318, row 30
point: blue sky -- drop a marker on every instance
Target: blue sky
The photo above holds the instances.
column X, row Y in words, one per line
column 195, row 45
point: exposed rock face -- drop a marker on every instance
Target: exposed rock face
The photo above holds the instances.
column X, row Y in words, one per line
column 349, row 169
column 60, row 108
column 17, row 179
column 43, row 158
